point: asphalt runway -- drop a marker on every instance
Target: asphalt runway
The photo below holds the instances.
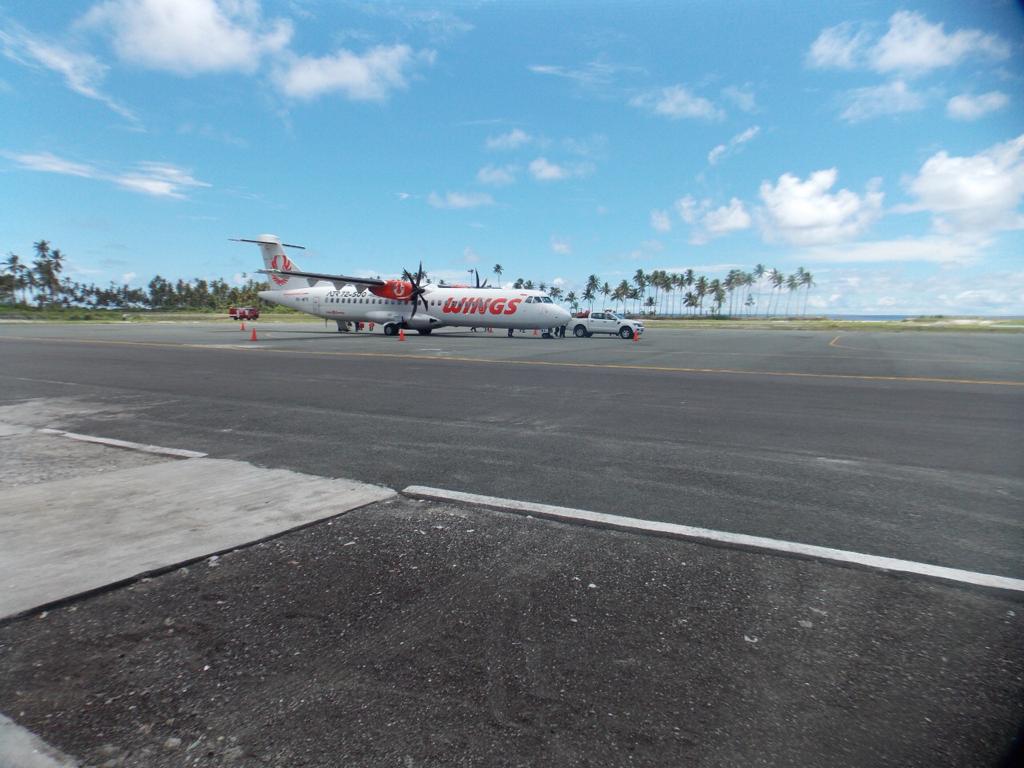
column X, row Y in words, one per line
column 908, row 445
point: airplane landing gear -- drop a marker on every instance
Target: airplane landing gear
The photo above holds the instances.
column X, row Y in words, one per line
column 391, row 329
column 510, row 332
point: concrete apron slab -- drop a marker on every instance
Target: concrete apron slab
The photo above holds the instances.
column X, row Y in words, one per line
column 68, row 537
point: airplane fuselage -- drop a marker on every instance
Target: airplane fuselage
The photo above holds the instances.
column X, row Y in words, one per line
column 444, row 306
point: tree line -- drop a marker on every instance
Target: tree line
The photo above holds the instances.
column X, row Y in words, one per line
column 759, row 292
column 762, row 291
column 42, row 281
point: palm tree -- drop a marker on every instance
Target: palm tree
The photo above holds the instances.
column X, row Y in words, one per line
column 702, row 291
column 19, row 276
column 498, row 269
column 792, row 283
column 555, row 292
column 640, row 281
column 655, row 278
column 686, row 280
column 759, row 272
column 589, row 295
column 807, row 279
column 717, row 294
column 606, row 291
column 732, row 281
column 44, row 276
column 777, row 279
column 574, row 302
column 690, row 300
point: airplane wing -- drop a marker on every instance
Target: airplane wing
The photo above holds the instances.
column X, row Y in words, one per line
column 315, row 277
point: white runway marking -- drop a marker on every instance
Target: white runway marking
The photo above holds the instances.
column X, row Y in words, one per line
column 743, row 541
column 180, row 453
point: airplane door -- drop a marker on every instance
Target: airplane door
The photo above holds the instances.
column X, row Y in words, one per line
column 315, row 299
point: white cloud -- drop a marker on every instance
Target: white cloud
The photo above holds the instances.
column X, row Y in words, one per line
column 495, row 176
column 82, row 73
column 677, row 102
column 911, row 46
column 543, row 169
column 689, row 209
column 805, row 213
column 371, row 76
column 459, row 200
column 840, row 47
column 900, row 289
column 560, row 245
column 511, row 140
column 938, row 250
column 661, row 221
column 708, row 222
column 914, row 46
column 470, row 256
column 742, row 98
column 50, row 163
column 969, row 107
column 593, row 74
column 150, row 178
column 733, row 146
column 190, row 36
column 979, row 193
column 159, row 180
column 728, row 218
column 890, row 99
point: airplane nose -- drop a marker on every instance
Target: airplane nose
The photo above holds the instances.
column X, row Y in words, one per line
column 562, row 315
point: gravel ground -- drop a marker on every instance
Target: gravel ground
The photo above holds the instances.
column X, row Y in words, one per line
column 417, row 634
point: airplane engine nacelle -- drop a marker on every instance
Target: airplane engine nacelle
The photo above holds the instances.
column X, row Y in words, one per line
column 421, row 320
column 393, row 289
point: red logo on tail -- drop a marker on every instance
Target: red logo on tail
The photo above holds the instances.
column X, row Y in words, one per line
column 282, row 262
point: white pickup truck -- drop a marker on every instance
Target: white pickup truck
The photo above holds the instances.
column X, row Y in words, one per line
column 588, row 323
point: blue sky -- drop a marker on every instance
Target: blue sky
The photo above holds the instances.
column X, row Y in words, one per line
column 878, row 145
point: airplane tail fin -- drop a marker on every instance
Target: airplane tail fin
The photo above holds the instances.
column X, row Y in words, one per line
column 275, row 258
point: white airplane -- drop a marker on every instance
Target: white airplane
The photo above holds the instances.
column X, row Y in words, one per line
column 402, row 304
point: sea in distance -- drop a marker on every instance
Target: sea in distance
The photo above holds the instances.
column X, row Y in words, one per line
column 890, row 318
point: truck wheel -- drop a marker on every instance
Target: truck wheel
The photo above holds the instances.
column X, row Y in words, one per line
column 579, row 331
column 626, row 332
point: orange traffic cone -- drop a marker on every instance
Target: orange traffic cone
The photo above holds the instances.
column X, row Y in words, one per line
column 636, row 337
column 243, row 326
column 536, row 332
column 371, row 326
column 253, row 337
column 401, row 334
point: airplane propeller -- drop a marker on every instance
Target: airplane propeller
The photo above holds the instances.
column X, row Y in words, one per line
column 417, row 292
